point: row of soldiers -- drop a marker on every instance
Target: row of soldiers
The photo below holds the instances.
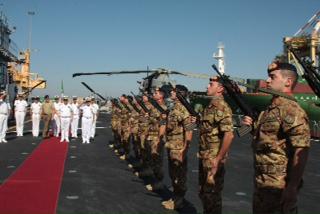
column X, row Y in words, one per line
column 281, row 139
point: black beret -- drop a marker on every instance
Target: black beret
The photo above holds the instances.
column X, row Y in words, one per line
column 281, row 66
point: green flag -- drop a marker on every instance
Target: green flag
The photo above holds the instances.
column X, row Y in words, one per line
column 62, row 90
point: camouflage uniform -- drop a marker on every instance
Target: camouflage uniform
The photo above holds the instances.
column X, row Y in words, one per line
column 142, row 132
column 178, row 122
column 115, row 125
column 216, row 119
column 279, row 129
column 125, row 130
column 134, row 125
column 154, row 146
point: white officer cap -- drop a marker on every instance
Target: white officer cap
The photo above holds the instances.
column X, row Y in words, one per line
column 65, row 97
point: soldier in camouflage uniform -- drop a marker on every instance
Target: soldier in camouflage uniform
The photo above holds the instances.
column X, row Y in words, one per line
column 280, row 146
column 134, row 128
column 155, row 141
column 143, row 132
column 179, row 135
column 115, row 124
column 216, row 134
column 125, row 127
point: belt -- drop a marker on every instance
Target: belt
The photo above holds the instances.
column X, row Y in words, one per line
column 65, row 116
column 87, row 117
column 4, row 113
column 20, row 111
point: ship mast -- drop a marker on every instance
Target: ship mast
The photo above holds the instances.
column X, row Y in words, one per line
column 220, row 57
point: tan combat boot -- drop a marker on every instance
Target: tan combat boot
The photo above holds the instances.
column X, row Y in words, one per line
column 149, row 187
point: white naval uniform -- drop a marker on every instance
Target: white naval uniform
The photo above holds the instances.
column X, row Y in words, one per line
column 86, row 122
column 4, row 114
column 20, row 107
column 36, row 115
column 56, row 117
column 65, row 111
column 95, row 108
column 75, row 120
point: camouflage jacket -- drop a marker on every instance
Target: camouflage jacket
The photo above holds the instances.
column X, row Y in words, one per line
column 178, row 122
column 283, row 126
column 216, row 119
column 115, row 118
column 144, row 121
column 154, row 122
column 134, row 120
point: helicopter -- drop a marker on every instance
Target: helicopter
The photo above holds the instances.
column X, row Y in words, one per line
column 155, row 77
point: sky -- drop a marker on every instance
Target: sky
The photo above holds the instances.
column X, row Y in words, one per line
column 70, row 36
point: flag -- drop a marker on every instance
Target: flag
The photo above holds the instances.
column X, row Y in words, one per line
column 62, row 90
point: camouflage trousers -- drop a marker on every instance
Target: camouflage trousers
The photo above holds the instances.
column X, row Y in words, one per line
column 125, row 141
column 178, row 174
column 210, row 194
column 116, row 138
column 156, row 159
column 136, row 145
column 267, row 201
column 144, row 152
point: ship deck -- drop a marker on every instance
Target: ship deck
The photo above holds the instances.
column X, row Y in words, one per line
column 95, row 180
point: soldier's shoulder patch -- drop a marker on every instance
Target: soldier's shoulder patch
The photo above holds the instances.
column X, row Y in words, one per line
column 219, row 113
column 289, row 119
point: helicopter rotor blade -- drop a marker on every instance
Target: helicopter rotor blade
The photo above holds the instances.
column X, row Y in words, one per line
column 114, row 72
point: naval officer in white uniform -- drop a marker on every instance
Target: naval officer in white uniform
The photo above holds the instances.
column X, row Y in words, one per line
column 35, row 115
column 87, row 119
column 66, row 115
column 20, row 108
column 56, row 117
column 75, row 119
column 4, row 114
column 95, row 108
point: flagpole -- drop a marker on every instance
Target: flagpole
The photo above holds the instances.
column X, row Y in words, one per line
column 62, row 89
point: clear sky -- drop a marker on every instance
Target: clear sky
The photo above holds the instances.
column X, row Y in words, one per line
column 105, row 35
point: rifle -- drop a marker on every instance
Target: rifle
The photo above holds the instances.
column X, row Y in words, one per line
column 310, row 74
column 234, row 92
column 29, row 90
column 116, row 103
column 90, row 89
column 140, row 103
column 157, row 106
column 186, row 103
column 126, row 107
column 133, row 105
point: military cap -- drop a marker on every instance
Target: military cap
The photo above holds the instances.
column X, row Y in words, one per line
column 215, row 79
column 87, row 99
column 3, row 92
column 93, row 98
column 56, row 97
column 74, row 97
column 65, row 97
column 277, row 65
column 37, row 98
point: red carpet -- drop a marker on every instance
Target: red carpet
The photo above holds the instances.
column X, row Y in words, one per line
column 34, row 187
